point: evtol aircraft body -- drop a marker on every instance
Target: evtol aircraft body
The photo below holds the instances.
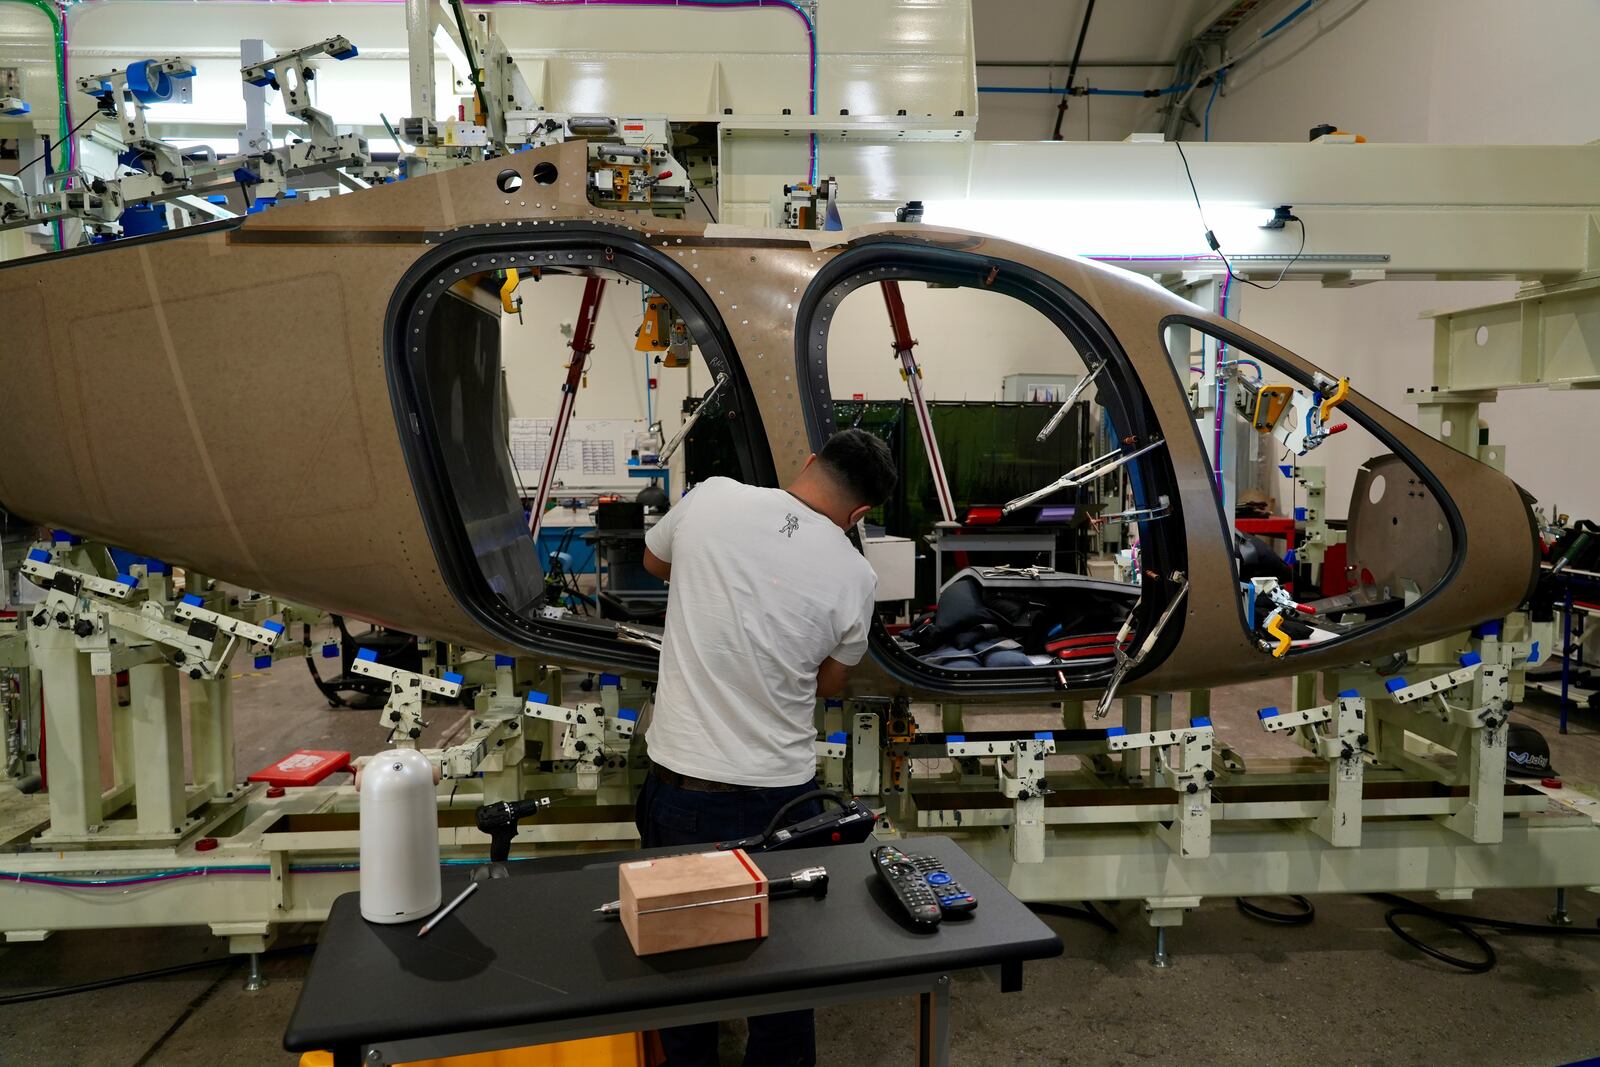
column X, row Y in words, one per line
column 308, row 402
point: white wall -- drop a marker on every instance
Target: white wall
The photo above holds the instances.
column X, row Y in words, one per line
column 1430, row 71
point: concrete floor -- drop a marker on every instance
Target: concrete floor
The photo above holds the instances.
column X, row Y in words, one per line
column 1342, row 990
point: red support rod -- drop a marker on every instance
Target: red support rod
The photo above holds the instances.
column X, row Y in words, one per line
column 909, row 370
column 582, row 345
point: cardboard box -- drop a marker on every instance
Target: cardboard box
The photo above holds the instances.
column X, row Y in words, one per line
column 707, row 898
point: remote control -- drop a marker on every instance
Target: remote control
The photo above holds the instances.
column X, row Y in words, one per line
column 922, row 886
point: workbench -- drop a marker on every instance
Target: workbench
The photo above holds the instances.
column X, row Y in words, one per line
column 525, row 961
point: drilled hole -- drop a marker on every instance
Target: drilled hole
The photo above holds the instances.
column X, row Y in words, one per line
column 508, row 180
column 545, row 173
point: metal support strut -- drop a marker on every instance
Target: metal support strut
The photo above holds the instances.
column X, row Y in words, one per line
column 582, row 345
column 909, row 370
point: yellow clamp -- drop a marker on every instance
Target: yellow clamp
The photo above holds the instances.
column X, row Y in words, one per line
column 1339, row 393
column 1275, row 628
column 508, row 287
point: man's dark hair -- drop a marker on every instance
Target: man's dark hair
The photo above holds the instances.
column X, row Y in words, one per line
column 861, row 463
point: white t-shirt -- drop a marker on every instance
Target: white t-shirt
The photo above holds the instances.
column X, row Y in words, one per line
column 763, row 590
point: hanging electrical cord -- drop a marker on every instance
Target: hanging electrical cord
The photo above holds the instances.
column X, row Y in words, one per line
column 1465, row 926
column 137, row 976
column 1302, row 917
column 1216, row 246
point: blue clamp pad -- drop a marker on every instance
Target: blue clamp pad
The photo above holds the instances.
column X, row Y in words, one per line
column 1299, row 514
column 1533, row 653
column 833, row 702
column 216, row 198
column 1487, row 629
column 504, row 661
column 631, row 714
column 367, row 654
column 265, row 79
column 62, row 537
column 128, row 580
column 263, row 662
column 954, row 739
column 190, row 600
column 274, row 625
column 246, row 176
column 349, row 53
column 1266, row 713
column 39, row 555
column 1116, row 731
column 1044, row 735
column 452, row 677
column 1290, row 556
column 1349, row 694
column 838, row 737
column 536, row 697
column 1201, row 721
column 330, row 651
column 609, row 679
column 155, row 566
column 22, row 109
column 1394, row 685
column 1470, row 659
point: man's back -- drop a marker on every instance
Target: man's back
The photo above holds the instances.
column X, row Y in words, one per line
column 763, row 590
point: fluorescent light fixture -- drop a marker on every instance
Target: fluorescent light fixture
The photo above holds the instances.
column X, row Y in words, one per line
column 1110, row 228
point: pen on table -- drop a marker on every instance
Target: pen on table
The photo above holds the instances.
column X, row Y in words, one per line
column 448, row 908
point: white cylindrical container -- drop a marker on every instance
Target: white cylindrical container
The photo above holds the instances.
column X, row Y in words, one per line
column 399, row 838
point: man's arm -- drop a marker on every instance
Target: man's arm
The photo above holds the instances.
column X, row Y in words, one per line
column 657, row 566
column 831, row 678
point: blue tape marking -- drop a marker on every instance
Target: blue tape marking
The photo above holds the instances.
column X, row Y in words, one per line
column 453, row 678
column 504, row 661
column 631, row 714
column 609, row 679
column 191, row 600
column 1116, row 731
column 1287, row 469
column 1394, row 685
column 274, row 625
column 536, row 697
column 954, row 739
column 330, row 651
column 1289, row 556
column 1266, row 713
column 1470, row 659
column 1349, row 693
column 1201, row 721
column 367, row 654
column 1533, row 655
column 39, row 555
column 838, row 737
column 1043, row 735
column 128, row 580
column 1299, row 514
column 263, row 662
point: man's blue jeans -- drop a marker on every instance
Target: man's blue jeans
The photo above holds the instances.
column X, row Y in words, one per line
column 668, row 815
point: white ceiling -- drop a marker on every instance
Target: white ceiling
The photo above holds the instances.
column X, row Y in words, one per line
column 1120, row 31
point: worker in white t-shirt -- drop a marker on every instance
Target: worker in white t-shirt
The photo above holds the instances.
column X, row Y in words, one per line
column 770, row 606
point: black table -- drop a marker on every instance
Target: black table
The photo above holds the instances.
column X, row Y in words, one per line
column 524, row 961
